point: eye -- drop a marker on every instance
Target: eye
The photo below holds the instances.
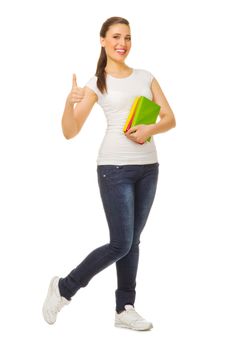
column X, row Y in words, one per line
column 117, row 36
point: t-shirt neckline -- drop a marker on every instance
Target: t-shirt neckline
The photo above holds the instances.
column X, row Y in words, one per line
column 132, row 73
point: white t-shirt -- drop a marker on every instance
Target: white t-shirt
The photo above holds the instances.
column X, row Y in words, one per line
column 116, row 148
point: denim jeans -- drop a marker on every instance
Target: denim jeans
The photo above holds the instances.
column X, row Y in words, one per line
column 127, row 193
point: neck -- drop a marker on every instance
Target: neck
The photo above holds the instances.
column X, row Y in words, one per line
column 115, row 67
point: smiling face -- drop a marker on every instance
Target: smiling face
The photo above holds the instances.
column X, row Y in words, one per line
column 117, row 42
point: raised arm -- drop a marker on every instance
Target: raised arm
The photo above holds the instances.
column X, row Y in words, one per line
column 78, row 106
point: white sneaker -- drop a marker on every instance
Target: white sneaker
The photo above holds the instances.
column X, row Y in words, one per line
column 53, row 302
column 131, row 319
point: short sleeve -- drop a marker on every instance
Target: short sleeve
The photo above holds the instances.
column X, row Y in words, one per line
column 92, row 84
column 150, row 77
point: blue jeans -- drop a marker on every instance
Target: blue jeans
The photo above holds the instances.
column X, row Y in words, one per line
column 127, row 193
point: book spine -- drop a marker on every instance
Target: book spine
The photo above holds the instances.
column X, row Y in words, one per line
column 139, row 104
column 131, row 115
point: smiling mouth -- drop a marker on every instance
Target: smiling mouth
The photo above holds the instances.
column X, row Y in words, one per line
column 121, row 51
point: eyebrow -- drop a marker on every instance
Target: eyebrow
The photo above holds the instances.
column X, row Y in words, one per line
column 120, row 34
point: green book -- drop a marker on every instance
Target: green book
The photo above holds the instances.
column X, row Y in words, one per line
column 143, row 111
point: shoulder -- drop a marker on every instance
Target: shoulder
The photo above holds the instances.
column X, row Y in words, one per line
column 144, row 73
column 92, row 80
column 92, row 84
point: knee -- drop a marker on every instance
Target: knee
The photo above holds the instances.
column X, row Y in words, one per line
column 120, row 248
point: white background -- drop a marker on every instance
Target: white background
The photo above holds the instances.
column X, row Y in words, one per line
column 51, row 210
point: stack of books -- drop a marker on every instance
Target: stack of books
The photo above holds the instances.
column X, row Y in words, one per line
column 143, row 111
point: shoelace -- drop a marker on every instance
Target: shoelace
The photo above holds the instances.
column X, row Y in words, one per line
column 135, row 315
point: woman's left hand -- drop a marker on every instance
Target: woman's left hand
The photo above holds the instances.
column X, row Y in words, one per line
column 139, row 133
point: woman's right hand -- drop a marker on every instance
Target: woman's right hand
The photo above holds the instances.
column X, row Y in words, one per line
column 77, row 94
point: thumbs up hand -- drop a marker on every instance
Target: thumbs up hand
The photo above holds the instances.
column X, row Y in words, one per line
column 74, row 81
column 77, row 94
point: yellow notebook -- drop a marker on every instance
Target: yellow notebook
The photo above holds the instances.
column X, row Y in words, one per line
column 143, row 111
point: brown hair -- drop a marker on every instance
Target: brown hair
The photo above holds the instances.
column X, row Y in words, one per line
column 100, row 71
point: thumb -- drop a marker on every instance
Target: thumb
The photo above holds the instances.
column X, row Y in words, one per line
column 132, row 130
column 74, row 81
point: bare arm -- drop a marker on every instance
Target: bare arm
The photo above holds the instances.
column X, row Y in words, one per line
column 69, row 125
column 139, row 133
column 78, row 106
column 167, row 118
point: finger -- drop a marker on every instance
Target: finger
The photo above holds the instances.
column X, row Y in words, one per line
column 77, row 94
column 132, row 129
column 74, row 81
column 130, row 132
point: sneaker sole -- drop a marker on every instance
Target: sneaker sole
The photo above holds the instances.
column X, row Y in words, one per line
column 47, row 297
column 123, row 325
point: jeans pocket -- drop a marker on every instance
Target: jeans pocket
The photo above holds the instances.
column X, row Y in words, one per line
column 107, row 170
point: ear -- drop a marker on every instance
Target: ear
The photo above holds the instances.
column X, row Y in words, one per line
column 102, row 41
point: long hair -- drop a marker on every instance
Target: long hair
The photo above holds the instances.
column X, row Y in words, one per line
column 100, row 71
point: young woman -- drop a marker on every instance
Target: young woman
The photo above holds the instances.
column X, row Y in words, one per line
column 127, row 170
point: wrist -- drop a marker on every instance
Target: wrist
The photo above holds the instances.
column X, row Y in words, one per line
column 69, row 105
column 152, row 129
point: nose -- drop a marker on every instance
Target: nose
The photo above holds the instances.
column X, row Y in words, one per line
column 122, row 41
